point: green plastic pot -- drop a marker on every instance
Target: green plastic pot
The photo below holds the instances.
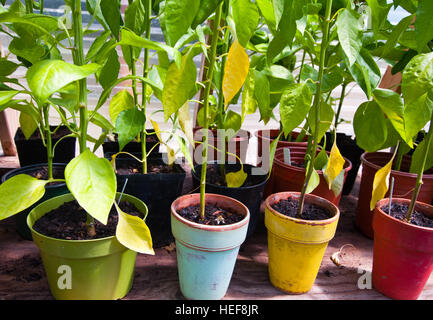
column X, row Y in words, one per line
column 100, row 269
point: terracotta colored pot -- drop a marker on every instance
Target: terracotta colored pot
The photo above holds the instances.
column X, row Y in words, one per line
column 237, row 145
column 403, row 253
column 206, row 255
column 291, row 178
column 403, row 186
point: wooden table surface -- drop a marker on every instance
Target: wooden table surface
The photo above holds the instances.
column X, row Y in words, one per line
column 22, row 275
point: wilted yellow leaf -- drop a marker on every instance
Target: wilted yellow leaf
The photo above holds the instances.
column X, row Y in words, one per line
column 186, row 123
column 133, row 233
column 171, row 155
column 156, row 128
column 235, row 71
column 236, row 179
column 334, row 166
column 380, row 183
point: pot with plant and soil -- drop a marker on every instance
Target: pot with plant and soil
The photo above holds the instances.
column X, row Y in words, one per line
column 84, row 237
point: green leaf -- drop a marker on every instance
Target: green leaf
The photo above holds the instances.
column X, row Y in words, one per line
column 379, row 13
column 236, row 179
column 313, row 182
column 424, row 23
column 294, row 106
column 206, row 8
column 418, row 157
column 133, row 233
column 417, row 78
column 129, row 124
column 111, row 11
column 122, row 100
column 110, row 70
column 7, row 67
column 349, row 34
column 92, row 182
column 48, row 76
column 395, row 35
column 178, row 17
column 337, row 184
column 6, row 96
column 185, row 123
column 94, row 8
column 326, row 117
column 135, row 17
column 185, row 150
column 19, row 193
column 267, row 11
column 97, row 45
column 179, row 85
column 249, row 103
column 232, row 121
column 262, row 95
column 27, row 124
column 246, row 17
column 101, row 122
column 370, row 126
column 272, row 150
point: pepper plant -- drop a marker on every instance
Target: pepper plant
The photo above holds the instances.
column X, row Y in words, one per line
column 90, row 179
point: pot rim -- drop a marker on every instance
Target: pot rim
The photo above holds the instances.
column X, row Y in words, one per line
column 303, row 221
column 194, row 174
column 79, row 241
column 178, row 166
column 376, row 167
column 212, row 228
column 418, row 206
column 11, row 173
column 283, row 164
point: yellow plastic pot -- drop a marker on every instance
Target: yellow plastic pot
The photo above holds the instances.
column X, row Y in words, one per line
column 296, row 246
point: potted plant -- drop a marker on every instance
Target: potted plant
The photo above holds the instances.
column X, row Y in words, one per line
column 297, row 237
column 93, row 232
column 393, row 123
column 402, row 259
column 209, row 228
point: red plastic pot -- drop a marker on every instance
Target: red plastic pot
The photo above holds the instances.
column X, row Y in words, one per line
column 403, row 253
column 291, row 178
column 237, row 145
column 404, row 183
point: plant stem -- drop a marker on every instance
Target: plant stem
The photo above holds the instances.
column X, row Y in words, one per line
column 209, row 75
column 418, row 184
column 399, row 157
column 302, row 65
column 49, row 145
column 29, row 6
column 340, row 104
column 316, row 106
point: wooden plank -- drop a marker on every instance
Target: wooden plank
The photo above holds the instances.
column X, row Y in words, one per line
column 6, row 137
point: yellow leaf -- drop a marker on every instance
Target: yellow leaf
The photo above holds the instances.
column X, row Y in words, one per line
column 156, row 128
column 133, row 233
column 235, row 71
column 171, row 155
column 186, row 123
column 236, row 179
column 380, row 183
column 334, row 166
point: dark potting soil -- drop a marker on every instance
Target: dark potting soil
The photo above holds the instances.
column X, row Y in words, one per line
column 399, row 211
column 68, row 222
column 135, row 167
column 61, row 132
column 213, row 176
column 289, row 208
column 214, row 215
column 42, row 174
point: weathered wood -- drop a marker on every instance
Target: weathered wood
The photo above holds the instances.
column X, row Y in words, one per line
column 22, row 275
column 6, row 138
column 8, row 163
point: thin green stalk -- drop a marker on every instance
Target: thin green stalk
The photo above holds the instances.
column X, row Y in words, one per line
column 302, row 65
column 418, row 183
column 340, row 104
column 29, row 6
column 49, row 145
column 209, row 75
column 398, row 158
column 316, row 105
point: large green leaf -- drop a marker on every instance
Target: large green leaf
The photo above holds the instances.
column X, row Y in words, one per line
column 417, row 114
column 135, row 16
column 110, row 71
column 6, row 96
column 48, row 76
column 206, row 8
column 122, row 100
column 129, row 124
column 246, row 17
column 417, row 78
column 261, row 93
column 267, row 10
column 178, row 17
column 19, row 193
column 370, row 127
column 418, row 157
column 27, row 124
column 326, row 115
column 93, row 183
column 424, row 23
column 179, row 85
column 111, row 11
column 294, row 106
column 349, row 34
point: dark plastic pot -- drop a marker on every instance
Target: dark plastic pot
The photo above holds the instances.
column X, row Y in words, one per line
column 250, row 196
column 291, row 178
column 133, row 146
column 350, row 150
column 157, row 191
column 51, row 191
column 402, row 254
column 404, row 182
column 237, row 145
column 33, row 151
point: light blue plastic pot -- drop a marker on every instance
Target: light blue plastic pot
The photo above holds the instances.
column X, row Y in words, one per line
column 206, row 255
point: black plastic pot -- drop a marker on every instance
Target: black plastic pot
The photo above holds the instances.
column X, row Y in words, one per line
column 132, row 147
column 157, row 191
column 250, row 196
column 51, row 191
column 350, row 150
column 33, row 151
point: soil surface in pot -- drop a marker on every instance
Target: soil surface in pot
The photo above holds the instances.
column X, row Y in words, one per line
column 68, row 222
column 61, row 132
column 289, row 208
column 213, row 176
column 399, row 211
column 136, row 167
column 214, row 215
column 42, row 174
